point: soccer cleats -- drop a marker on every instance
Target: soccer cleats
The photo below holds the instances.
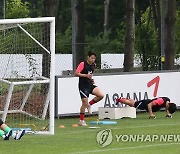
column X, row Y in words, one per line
column 7, row 135
column 82, row 123
column 19, row 134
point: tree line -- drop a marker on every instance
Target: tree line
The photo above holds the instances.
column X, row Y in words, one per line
column 110, row 26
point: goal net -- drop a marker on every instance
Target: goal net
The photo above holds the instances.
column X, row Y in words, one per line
column 27, row 48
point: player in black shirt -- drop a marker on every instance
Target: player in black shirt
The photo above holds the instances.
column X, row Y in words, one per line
column 86, row 85
column 151, row 105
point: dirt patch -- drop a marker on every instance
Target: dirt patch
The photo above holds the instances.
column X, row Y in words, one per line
column 34, row 104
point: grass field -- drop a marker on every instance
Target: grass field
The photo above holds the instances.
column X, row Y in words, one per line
column 76, row 140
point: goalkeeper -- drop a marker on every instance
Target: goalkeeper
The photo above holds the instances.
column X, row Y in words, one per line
column 6, row 132
column 151, row 105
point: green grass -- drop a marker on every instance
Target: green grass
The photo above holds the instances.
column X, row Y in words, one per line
column 83, row 139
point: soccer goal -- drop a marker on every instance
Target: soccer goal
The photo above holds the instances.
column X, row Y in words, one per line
column 27, row 57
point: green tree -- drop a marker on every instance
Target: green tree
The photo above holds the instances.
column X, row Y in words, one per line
column 79, row 31
column 49, row 11
column 35, row 8
column 146, row 44
column 130, row 35
column 17, row 9
column 170, row 34
column 177, row 32
column 156, row 15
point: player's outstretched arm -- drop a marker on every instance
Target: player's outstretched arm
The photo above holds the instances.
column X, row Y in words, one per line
column 152, row 116
column 168, row 113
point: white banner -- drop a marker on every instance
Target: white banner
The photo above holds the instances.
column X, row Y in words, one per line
column 136, row 86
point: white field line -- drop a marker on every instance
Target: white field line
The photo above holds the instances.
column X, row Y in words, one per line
column 115, row 128
column 125, row 148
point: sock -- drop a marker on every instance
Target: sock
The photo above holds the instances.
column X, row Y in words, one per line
column 81, row 116
column 14, row 135
column 7, row 129
column 121, row 99
column 2, row 134
column 92, row 102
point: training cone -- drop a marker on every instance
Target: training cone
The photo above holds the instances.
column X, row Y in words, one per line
column 74, row 125
column 61, row 126
column 43, row 128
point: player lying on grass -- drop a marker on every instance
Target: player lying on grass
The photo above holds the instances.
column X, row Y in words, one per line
column 6, row 132
column 151, row 105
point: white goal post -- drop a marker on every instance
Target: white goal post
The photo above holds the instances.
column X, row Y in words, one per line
column 27, row 65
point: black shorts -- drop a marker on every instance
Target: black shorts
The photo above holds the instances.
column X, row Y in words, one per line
column 1, row 122
column 142, row 104
column 86, row 90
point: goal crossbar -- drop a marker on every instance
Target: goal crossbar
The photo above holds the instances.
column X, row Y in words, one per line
column 26, row 82
column 27, row 20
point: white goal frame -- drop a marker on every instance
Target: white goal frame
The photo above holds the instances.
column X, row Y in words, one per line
column 50, row 98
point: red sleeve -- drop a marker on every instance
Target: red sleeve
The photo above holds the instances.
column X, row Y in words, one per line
column 158, row 101
column 80, row 67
